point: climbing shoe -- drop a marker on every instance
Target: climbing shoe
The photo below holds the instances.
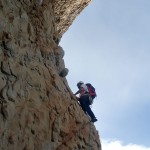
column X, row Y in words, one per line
column 93, row 120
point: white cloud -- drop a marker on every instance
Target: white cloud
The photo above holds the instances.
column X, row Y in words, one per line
column 118, row 145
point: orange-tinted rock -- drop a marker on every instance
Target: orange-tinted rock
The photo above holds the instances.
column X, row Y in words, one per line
column 37, row 108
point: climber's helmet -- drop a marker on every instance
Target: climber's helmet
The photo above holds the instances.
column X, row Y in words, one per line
column 79, row 84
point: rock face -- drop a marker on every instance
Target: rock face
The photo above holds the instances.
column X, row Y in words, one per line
column 37, row 108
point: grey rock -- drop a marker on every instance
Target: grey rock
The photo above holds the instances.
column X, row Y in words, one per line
column 64, row 72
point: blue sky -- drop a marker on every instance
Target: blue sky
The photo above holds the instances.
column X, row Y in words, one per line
column 108, row 45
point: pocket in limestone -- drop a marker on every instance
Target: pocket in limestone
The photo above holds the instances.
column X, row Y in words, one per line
column 33, row 79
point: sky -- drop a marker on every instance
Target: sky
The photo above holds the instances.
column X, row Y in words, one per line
column 108, row 46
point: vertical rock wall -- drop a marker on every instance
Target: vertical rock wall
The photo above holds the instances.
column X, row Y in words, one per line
column 37, row 108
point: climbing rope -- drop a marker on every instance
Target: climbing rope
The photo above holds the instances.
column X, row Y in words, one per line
column 89, row 143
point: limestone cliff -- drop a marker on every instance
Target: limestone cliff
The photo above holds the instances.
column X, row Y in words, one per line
column 37, row 108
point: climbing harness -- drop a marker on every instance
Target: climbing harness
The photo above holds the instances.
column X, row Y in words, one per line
column 89, row 145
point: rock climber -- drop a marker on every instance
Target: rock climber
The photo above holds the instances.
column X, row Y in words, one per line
column 84, row 100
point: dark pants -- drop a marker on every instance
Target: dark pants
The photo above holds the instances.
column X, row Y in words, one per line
column 85, row 104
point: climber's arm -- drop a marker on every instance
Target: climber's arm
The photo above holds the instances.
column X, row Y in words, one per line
column 77, row 92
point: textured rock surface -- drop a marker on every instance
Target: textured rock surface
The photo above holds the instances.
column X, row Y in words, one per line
column 37, row 108
column 66, row 11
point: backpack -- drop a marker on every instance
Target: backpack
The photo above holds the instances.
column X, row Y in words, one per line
column 91, row 90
